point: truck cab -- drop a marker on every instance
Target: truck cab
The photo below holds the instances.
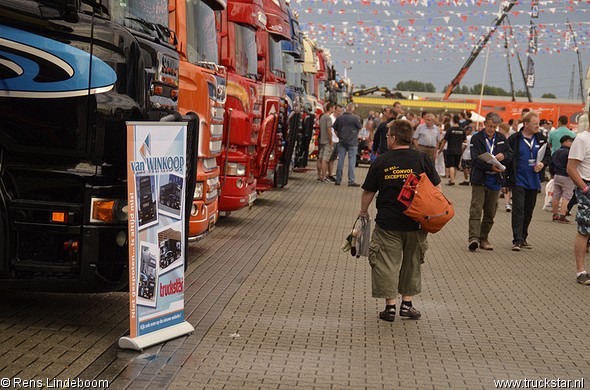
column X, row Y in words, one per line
column 310, row 102
column 293, row 56
column 270, row 65
column 243, row 111
column 203, row 89
column 75, row 73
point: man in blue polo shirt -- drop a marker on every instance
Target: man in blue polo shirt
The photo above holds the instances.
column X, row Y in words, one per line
column 524, row 176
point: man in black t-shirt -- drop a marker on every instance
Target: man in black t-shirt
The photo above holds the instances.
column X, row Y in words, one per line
column 454, row 137
column 398, row 243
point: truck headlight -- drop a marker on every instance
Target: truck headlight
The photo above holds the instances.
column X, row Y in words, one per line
column 198, row 191
column 235, row 169
column 108, row 210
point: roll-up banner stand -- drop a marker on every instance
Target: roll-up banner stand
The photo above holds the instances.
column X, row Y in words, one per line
column 157, row 180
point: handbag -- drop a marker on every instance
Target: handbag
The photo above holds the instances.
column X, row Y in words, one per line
column 424, row 203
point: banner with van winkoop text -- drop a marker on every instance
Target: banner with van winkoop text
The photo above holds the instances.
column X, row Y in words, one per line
column 156, row 186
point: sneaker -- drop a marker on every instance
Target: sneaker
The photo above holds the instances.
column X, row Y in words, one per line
column 526, row 245
column 332, row 178
column 320, row 180
column 485, row 245
column 473, row 244
column 450, row 183
column 354, row 185
column 465, row 183
column 508, row 207
column 562, row 219
column 328, row 180
column 516, row 247
column 582, row 279
column 409, row 311
column 555, row 217
column 337, row 183
column 388, row 315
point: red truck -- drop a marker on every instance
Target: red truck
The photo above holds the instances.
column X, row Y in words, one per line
column 270, row 66
column 202, row 85
column 243, row 113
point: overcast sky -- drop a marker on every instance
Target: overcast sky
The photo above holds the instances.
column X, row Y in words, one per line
column 396, row 40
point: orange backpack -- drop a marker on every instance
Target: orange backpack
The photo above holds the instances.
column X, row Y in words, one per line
column 425, row 203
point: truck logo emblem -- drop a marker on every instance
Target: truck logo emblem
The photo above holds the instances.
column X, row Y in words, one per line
column 35, row 66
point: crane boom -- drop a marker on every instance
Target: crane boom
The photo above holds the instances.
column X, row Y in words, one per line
column 482, row 42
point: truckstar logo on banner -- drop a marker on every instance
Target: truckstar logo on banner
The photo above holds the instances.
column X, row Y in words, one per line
column 156, row 152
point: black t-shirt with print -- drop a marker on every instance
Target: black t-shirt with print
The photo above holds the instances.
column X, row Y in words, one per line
column 387, row 175
column 455, row 137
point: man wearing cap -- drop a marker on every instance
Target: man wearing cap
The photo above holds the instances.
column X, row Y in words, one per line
column 563, row 186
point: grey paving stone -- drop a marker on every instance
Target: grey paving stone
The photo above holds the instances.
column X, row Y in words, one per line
column 305, row 315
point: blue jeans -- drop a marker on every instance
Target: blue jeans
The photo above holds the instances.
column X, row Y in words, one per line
column 342, row 150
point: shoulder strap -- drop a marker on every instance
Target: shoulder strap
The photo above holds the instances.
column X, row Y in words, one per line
column 422, row 161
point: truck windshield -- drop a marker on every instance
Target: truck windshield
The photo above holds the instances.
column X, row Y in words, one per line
column 202, row 45
column 291, row 71
column 147, row 16
column 275, row 55
column 322, row 90
column 246, row 59
column 310, row 84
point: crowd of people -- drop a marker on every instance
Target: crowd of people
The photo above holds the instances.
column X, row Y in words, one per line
column 501, row 159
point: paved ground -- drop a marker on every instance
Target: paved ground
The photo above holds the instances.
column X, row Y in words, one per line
column 274, row 275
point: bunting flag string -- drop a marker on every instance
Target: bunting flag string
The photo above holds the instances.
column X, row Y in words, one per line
column 378, row 25
column 463, row 15
column 432, row 31
column 442, row 3
column 553, row 42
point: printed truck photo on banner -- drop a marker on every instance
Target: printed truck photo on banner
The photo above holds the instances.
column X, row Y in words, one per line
column 147, row 213
column 157, row 184
column 170, row 243
column 171, row 195
column 148, row 276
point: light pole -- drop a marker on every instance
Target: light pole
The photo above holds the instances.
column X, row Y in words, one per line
column 350, row 45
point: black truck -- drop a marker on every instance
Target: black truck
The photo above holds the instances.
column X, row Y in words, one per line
column 147, row 275
column 171, row 195
column 73, row 72
column 170, row 251
column 147, row 207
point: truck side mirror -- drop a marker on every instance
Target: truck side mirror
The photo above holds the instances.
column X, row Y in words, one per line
column 228, row 62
